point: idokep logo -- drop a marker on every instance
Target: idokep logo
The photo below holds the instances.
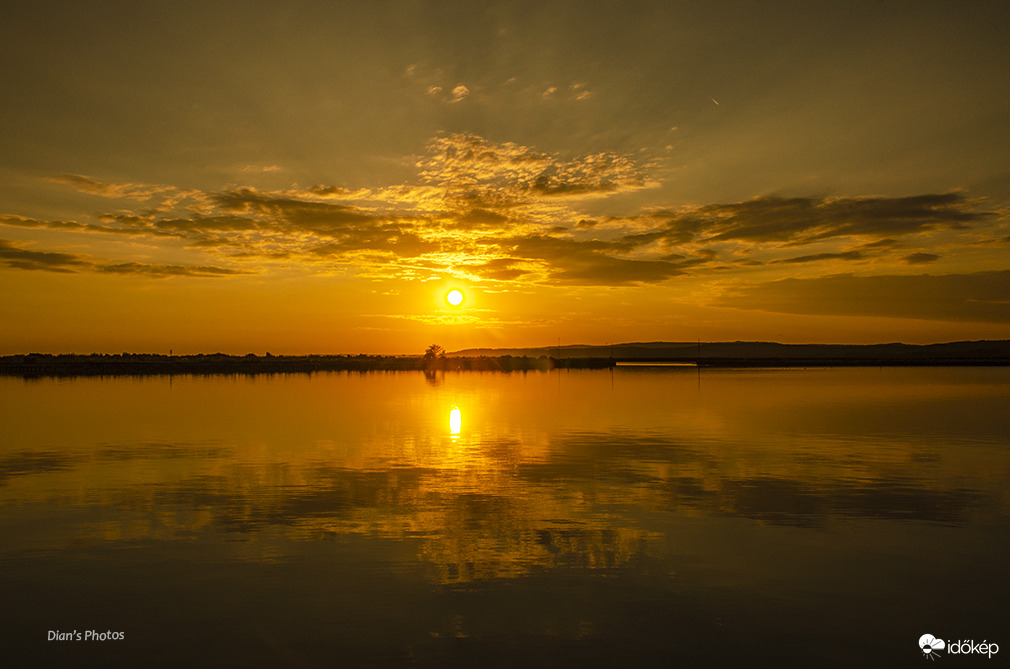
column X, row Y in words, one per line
column 931, row 647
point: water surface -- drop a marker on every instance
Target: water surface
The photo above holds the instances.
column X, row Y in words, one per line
column 637, row 516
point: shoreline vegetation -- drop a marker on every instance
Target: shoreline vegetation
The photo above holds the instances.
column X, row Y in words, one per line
column 699, row 354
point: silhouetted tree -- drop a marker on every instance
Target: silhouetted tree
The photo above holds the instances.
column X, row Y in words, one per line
column 434, row 351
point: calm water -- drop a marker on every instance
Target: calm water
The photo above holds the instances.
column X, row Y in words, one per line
column 635, row 517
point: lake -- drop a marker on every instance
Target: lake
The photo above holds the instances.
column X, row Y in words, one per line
column 636, row 516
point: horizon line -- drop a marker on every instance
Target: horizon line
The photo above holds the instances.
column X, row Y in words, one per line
column 548, row 347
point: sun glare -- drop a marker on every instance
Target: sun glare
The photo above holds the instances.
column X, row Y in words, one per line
column 454, row 297
column 455, row 422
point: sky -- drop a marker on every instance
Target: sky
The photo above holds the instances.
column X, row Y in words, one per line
column 314, row 177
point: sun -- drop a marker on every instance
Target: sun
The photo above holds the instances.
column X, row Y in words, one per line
column 455, row 297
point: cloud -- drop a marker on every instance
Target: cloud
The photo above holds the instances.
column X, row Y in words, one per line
column 458, row 93
column 22, row 222
column 22, row 258
column 131, row 191
column 392, row 239
column 294, row 210
column 808, row 220
column 817, row 257
column 261, row 169
column 978, row 297
column 502, row 212
column 18, row 257
column 162, row 271
column 580, row 91
column 882, row 244
column 921, row 258
column 476, row 219
column 603, row 270
column 515, row 174
column 502, row 269
column 197, row 224
column 587, row 262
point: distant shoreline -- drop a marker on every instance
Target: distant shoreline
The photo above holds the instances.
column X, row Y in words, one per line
column 701, row 355
column 38, row 365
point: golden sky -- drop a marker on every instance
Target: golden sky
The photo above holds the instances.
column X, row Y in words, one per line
column 313, row 177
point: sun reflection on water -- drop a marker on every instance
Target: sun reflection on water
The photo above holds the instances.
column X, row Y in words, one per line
column 455, row 422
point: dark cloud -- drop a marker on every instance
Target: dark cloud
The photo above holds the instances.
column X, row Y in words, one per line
column 22, row 258
column 979, row 297
column 389, row 239
column 548, row 185
column 816, row 257
column 296, row 223
column 589, row 262
column 882, row 244
column 602, row 270
column 805, row 220
column 699, row 260
column 264, row 225
column 205, row 224
column 646, row 238
column 549, row 246
column 476, row 219
column 162, row 271
column 121, row 224
column 319, row 216
column 27, row 259
column 921, row 258
column 499, row 269
column 328, row 191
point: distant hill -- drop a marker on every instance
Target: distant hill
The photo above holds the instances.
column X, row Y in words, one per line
column 743, row 352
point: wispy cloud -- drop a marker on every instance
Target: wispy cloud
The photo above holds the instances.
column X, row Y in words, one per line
column 24, row 222
column 807, row 220
column 261, row 169
column 817, row 257
column 131, row 191
column 19, row 257
column 22, row 258
column 162, row 271
column 584, row 262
